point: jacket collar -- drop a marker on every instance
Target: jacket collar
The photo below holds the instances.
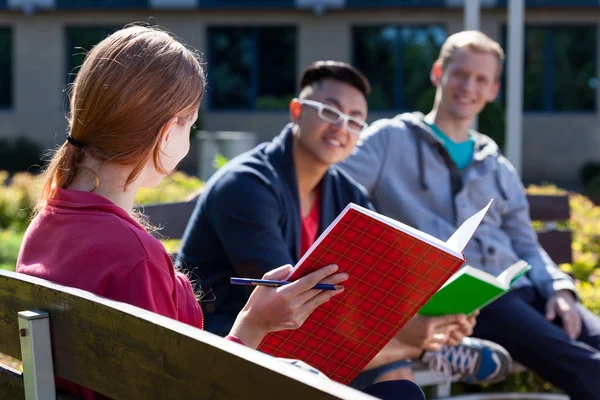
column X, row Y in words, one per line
column 484, row 146
column 281, row 156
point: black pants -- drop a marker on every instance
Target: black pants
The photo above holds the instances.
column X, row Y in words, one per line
column 395, row 390
column 517, row 322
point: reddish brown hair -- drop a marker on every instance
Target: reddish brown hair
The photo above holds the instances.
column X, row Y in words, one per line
column 129, row 86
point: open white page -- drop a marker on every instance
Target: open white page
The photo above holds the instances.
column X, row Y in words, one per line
column 476, row 273
column 518, row 268
column 458, row 241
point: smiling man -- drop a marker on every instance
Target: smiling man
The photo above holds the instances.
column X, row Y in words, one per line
column 266, row 207
column 433, row 172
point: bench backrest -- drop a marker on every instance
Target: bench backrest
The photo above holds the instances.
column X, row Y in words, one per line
column 551, row 210
column 125, row 352
column 548, row 209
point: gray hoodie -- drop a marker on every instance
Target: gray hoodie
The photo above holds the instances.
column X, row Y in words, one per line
column 411, row 178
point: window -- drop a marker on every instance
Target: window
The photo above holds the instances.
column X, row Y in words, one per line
column 397, row 60
column 251, row 68
column 101, row 3
column 80, row 40
column 553, row 3
column 247, row 3
column 396, row 3
column 6, row 70
column 559, row 68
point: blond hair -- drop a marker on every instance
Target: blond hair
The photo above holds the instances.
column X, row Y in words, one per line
column 129, row 86
column 471, row 40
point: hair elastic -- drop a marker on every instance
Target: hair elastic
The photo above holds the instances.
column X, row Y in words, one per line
column 74, row 142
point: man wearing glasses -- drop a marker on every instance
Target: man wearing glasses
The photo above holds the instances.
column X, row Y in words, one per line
column 266, row 207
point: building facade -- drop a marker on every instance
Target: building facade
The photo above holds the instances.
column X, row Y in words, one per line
column 256, row 49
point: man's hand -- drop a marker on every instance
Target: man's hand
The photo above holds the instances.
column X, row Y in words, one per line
column 431, row 333
column 562, row 304
column 464, row 329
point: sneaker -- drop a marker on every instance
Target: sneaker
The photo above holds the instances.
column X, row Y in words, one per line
column 473, row 361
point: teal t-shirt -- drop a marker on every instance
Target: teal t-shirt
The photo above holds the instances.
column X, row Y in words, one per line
column 461, row 153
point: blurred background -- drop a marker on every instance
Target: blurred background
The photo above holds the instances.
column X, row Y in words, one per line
column 256, row 49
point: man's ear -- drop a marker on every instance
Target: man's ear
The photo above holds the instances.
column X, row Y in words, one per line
column 436, row 73
column 494, row 91
column 295, row 110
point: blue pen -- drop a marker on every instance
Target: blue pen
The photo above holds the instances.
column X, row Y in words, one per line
column 272, row 283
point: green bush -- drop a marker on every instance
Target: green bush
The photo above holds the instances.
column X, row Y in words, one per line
column 176, row 187
column 16, row 200
column 19, row 192
column 10, row 242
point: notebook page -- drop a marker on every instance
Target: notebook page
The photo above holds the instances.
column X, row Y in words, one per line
column 458, row 241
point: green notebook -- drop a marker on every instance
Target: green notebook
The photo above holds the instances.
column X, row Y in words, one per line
column 471, row 289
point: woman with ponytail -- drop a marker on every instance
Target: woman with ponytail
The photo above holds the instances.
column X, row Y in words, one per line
column 132, row 106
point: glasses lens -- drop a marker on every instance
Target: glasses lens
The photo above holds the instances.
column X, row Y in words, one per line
column 330, row 115
column 356, row 125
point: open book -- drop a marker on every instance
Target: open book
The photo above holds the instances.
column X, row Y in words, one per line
column 471, row 289
column 394, row 269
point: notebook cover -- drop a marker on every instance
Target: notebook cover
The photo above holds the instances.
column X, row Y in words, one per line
column 392, row 275
column 462, row 296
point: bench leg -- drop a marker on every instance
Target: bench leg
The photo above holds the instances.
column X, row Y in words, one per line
column 36, row 355
column 442, row 390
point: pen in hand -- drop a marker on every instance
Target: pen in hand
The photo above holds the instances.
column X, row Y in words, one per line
column 273, row 283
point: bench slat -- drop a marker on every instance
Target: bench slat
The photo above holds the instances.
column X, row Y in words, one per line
column 549, row 208
column 558, row 245
column 128, row 353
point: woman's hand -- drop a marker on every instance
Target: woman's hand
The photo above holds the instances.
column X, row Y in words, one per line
column 274, row 309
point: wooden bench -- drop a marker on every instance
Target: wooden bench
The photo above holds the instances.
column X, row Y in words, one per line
column 125, row 352
column 548, row 210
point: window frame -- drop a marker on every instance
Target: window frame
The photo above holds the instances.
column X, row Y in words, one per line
column 250, row 4
column 103, row 5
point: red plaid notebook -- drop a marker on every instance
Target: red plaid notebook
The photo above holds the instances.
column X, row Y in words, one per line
column 394, row 269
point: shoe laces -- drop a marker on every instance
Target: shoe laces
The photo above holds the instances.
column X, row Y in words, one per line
column 452, row 360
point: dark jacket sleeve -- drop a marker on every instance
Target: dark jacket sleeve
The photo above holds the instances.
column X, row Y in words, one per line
column 246, row 213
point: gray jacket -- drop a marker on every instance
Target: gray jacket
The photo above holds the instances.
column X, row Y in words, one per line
column 411, row 178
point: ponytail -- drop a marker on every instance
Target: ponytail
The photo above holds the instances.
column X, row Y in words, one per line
column 59, row 173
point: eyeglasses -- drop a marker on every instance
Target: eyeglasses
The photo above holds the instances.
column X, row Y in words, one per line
column 333, row 116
